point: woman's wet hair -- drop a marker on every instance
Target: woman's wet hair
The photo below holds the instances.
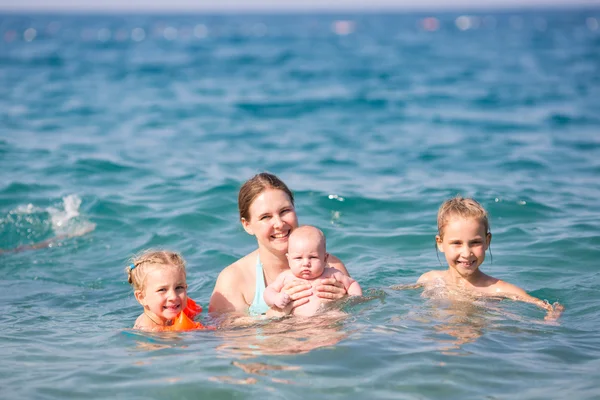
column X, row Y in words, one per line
column 149, row 259
column 254, row 186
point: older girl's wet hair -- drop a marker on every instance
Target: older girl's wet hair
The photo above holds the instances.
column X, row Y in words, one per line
column 149, row 259
column 461, row 207
column 254, row 186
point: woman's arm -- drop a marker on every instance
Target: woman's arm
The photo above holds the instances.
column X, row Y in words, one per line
column 352, row 287
column 331, row 288
column 298, row 293
column 227, row 295
column 336, row 263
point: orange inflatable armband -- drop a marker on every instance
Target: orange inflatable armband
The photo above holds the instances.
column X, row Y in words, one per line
column 184, row 323
column 192, row 309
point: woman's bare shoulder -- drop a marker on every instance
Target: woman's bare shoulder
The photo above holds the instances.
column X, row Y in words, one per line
column 238, row 271
column 234, row 285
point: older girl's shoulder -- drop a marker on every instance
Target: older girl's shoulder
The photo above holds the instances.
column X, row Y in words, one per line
column 432, row 276
column 500, row 286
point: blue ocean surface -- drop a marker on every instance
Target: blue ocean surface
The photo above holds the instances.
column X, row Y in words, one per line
column 120, row 133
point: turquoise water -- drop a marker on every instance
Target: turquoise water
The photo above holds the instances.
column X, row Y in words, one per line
column 125, row 132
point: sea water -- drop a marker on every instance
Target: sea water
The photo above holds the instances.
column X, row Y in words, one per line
column 126, row 132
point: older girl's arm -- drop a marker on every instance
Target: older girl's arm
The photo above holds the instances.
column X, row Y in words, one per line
column 331, row 288
column 516, row 293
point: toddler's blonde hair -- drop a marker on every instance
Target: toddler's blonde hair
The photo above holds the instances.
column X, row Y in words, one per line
column 143, row 263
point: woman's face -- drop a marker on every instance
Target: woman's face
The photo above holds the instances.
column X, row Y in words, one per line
column 272, row 219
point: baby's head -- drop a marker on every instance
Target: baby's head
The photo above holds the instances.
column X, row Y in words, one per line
column 465, row 208
column 307, row 254
column 159, row 283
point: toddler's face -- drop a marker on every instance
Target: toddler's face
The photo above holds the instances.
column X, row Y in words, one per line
column 165, row 292
column 307, row 257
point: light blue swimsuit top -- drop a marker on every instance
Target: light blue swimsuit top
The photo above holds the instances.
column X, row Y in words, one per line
column 258, row 305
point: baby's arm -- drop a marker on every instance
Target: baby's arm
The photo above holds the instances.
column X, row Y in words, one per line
column 352, row 287
column 516, row 293
column 274, row 296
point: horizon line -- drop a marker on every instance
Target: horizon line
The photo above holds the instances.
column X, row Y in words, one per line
column 292, row 9
column 217, row 12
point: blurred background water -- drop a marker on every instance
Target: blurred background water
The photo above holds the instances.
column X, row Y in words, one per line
column 123, row 132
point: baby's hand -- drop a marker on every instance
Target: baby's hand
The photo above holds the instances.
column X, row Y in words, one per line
column 282, row 300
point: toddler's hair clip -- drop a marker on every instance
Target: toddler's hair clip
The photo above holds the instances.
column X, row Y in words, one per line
column 132, row 266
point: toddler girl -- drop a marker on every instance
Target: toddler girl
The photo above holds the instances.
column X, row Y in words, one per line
column 159, row 285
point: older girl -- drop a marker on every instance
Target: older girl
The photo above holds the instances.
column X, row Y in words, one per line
column 464, row 236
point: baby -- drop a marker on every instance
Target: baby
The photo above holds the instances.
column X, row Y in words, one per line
column 464, row 236
column 307, row 258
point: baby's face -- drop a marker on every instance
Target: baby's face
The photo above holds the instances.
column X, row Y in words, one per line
column 306, row 256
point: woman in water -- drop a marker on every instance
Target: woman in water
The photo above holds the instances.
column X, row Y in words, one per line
column 266, row 207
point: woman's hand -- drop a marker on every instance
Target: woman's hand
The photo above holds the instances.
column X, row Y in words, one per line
column 331, row 289
column 298, row 292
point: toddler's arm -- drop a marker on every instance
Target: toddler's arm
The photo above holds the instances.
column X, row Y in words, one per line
column 274, row 296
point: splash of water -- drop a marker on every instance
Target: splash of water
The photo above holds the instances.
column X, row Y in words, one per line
column 32, row 223
column 65, row 221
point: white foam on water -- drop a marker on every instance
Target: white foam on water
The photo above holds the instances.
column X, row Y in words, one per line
column 65, row 221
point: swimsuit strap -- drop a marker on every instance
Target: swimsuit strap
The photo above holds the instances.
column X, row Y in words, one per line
column 258, row 305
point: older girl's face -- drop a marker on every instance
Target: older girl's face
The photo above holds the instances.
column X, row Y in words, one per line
column 464, row 244
column 272, row 219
